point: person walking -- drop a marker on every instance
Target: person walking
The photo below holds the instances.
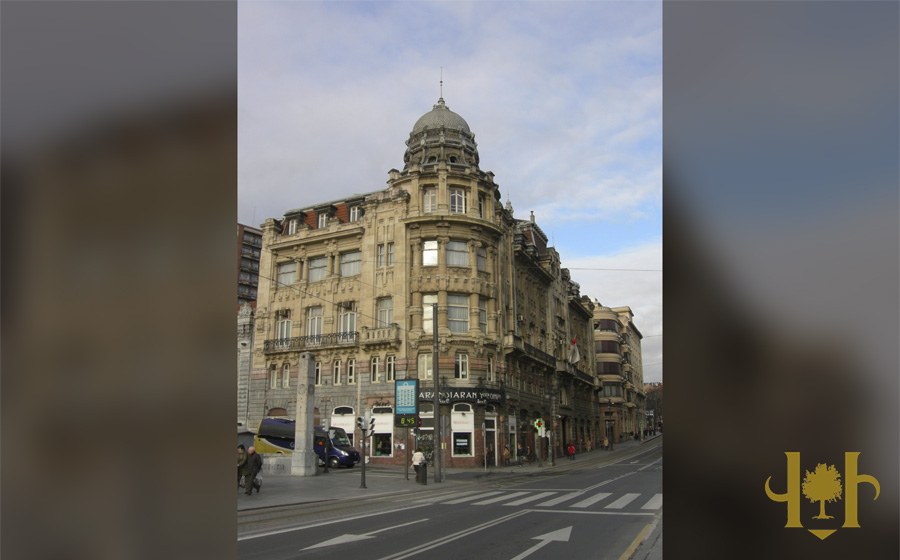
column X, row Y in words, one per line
column 418, row 459
column 254, row 465
column 520, row 453
column 605, row 443
column 506, row 456
column 572, row 451
column 242, row 467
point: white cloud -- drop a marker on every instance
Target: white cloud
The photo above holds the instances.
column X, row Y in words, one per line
column 631, row 277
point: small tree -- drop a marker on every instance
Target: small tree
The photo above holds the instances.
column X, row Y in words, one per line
column 822, row 485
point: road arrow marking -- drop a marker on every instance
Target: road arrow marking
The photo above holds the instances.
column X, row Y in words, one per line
column 560, row 535
column 353, row 538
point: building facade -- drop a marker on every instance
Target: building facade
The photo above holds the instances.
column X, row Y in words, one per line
column 365, row 282
column 249, row 247
column 617, row 345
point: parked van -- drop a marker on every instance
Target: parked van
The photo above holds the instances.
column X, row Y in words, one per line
column 276, row 435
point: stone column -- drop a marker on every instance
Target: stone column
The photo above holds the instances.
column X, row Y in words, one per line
column 303, row 459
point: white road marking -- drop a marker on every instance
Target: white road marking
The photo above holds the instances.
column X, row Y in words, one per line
column 530, row 499
column 654, row 503
column 500, row 498
column 470, row 498
column 560, row 499
column 623, row 501
column 559, row 535
column 592, row 500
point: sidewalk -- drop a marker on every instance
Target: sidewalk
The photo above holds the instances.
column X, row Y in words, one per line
column 344, row 484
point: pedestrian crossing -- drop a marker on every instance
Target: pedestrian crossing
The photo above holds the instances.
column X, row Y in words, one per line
column 548, row 499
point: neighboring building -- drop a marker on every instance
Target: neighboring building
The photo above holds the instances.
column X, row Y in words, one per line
column 244, row 358
column 249, row 249
column 354, row 282
column 617, row 345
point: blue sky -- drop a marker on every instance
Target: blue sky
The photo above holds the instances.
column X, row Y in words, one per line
column 564, row 98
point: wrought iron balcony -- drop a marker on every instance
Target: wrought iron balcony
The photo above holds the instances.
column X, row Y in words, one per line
column 308, row 342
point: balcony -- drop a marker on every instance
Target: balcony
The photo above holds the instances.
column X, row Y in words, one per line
column 539, row 355
column 319, row 341
column 384, row 335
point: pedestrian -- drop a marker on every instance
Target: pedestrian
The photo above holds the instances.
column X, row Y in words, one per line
column 418, row 459
column 589, row 444
column 254, row 465
column 520, row 453
column 242, row 468
column 605, row 443
column 506, row 456
column 571, row 451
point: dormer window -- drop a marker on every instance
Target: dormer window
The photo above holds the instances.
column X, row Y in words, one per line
column 322, row 220
column 292, row 227
column 432, row 159
column 355, row 213
column 453, row 159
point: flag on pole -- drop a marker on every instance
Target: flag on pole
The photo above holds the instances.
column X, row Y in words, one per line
column 574, row 355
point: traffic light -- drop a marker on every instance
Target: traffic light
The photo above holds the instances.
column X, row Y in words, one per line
column 372, row 424
column 359, row 423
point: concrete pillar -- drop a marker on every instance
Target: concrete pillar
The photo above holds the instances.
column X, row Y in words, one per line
column 303, row 459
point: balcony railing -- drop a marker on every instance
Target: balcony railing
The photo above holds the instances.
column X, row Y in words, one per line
column 312, row 341
column 383, row 335
column 538, row 354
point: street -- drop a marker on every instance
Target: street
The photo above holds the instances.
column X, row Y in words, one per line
column 586, row 508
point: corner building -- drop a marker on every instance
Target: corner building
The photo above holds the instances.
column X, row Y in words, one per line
column 354, row 282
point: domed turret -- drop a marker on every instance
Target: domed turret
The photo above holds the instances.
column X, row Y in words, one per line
column 441, row 117
column 441, row 136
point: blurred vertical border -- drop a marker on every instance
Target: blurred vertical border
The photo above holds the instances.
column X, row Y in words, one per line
column 118, row 289
column 781, row 271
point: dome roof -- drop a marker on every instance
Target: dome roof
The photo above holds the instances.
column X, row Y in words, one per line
column 440, row 116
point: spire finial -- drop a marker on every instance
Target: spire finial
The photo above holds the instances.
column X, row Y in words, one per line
column 442, row 82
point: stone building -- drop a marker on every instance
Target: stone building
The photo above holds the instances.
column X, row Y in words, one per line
column 355, row 282
column 617, row 345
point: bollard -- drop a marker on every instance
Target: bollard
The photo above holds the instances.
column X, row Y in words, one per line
column 422, row 474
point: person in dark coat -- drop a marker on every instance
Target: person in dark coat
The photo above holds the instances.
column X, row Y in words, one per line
column 254, row 465
column 242, row 468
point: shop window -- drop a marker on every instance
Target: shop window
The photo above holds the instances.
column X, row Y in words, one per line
column 382, row 445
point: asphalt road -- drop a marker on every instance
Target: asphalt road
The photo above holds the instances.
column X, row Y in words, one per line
column 582, row 509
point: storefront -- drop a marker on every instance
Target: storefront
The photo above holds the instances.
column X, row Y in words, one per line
column 383, row 436
column 344, row 417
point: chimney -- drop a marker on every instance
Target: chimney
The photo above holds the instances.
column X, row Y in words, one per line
column 532, row 216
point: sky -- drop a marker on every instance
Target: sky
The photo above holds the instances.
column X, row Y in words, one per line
column 564, row 98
